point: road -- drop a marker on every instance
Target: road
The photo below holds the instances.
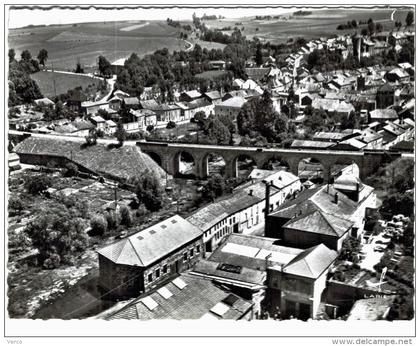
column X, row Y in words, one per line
column 71, row 138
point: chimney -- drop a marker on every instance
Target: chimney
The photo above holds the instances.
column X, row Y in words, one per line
column 251, row 192
column 336, row 198
column 300, row 212
column 267, row 200
column 271, row 183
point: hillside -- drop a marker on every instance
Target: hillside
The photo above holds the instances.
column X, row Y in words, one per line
column 124, row 162
column 67, row 44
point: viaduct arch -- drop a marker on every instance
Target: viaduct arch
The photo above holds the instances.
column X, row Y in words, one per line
column 367, row 161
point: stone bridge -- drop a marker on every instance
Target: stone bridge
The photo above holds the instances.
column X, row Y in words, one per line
column 168, row 156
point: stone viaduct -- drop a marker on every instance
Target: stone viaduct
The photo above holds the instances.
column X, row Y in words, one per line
column 168, row 156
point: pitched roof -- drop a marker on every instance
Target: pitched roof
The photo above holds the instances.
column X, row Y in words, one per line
column 312, row 262
column 320, row 222
column 151, row 244
column 383, row 114
column 199, row 298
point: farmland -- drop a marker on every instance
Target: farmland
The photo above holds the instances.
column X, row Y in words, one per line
column 56, row 83
column 319, row 23
column 67, row 44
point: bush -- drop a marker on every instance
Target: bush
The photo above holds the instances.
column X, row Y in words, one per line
column 125, row 216
column 171, row 125
column 148, row 192
column 113, row 220
column 99, row 225
column 150, row 128
column 52, row 262
column 16, row 205
column 71, row 170
column 37, row 184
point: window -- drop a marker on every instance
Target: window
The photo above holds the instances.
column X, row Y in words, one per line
column 191, row 252
column 150, row 277
column 165, row 269
column 185, row 256
column 198, row 249
column 157, row 273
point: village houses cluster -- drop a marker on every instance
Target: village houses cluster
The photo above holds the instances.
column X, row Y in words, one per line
column 211, row 265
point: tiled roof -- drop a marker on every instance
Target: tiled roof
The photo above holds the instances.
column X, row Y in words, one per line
column 151, row 244
column 383, row 114
column 312, row 262
column 319, row 222
column 235, row 102
column 200, row 298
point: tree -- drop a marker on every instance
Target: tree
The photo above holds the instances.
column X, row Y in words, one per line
column 79, row 68
column 37, row 183
column 148, row 191
column 371, row 26
column 91, row 138
column 99, row 225
column 26, row 55
column 12, row 54
column 120, row 133
column 58, row 235
column 409, row 20
column 71, row 170
column 215, row 187
column 258, row 117
column 258, row 55
column 398, row 203
column 42, row 56
column 351, row 247
column 16, row 205
column 125, row 216
column 104, row 66
column 216, row 131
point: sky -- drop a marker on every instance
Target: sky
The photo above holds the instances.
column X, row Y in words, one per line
column 22, row 17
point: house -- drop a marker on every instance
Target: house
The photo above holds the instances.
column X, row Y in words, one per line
column 217, row 64
column 76, row 97
column 348, row 201
column 397, row 75
column 257, row 268
column 188, row 96
column 144, row 118
column 300, row 283
column 382, row 115
column 110, row 127
column 131, row 103
column 371, row 309
column 214, row 97
column 189, row 109
column 118, row 65
column 244, row 210
column 187, row 297
column 230, row 107
column 78, row 128
column 44, row 102
column 167, row 112
column 140, row 262
column 308, row 144
column 99, row 122
column 392, row 134
column 91, row 108
column 14, row 162
column 385, row 96
column 352, row 144
column 334, row 137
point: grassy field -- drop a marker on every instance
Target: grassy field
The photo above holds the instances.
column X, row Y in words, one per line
column 63, row 82
column 67, row 44
column 319, row 23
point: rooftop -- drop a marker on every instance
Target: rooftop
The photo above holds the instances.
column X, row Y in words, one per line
column 186, row 297
column 151, row 244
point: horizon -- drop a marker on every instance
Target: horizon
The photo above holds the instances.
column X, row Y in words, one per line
column 23, row 16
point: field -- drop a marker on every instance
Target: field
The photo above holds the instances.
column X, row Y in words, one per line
column 320, row 23
column 67, row 44
column 63, row 82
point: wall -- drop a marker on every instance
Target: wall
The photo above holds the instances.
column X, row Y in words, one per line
column 131, row 281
